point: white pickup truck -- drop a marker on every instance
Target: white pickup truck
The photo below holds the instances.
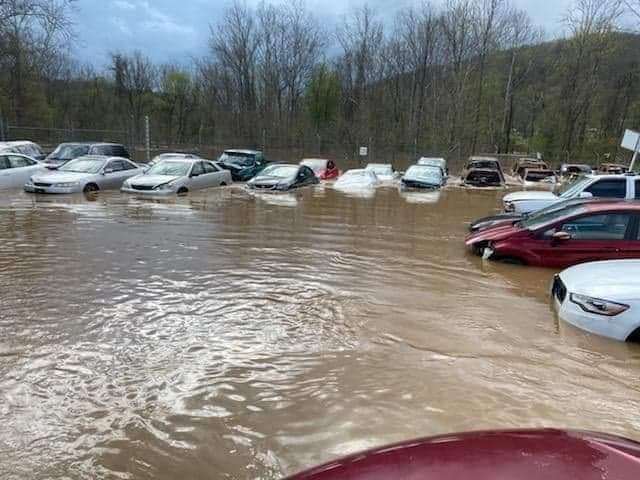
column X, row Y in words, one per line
column 587, row 186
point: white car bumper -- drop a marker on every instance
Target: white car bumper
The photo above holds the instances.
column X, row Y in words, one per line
column 618, row 327
column 30, row 188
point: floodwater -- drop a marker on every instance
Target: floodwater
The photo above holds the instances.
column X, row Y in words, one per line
column 230, row 336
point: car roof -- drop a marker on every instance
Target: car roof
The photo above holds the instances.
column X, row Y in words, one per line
column 16, row 143
column 101, row 157
column 613, row 205
column 238, row 150
column 314, row 160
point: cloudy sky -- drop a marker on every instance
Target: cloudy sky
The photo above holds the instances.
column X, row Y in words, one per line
column 170, row 30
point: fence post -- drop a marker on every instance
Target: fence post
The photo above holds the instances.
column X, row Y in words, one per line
column 147, row 139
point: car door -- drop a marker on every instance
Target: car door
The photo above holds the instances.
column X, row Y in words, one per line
column 213, row 176
column 197, row 177
column 305, row 177
column 114, row 175
column 20, row 170
column 595, row 236
column 5, row 172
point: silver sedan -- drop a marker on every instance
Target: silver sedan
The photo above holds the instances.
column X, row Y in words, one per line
column 85, row 174
column 178, row 175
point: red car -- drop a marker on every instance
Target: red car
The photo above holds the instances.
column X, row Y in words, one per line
column 324, row 169
column 511, row 455
column 576, row 234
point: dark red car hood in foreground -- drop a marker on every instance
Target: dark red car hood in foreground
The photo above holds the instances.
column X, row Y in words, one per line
column 493, row 233
column 508, row 455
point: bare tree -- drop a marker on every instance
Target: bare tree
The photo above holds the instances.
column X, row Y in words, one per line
column 235, row 48
column 590, row 23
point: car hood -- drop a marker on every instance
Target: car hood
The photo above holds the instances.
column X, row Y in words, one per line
column 530, row 195
column 152, row 180
column 60, row 177
column 610, row 280
column 493, row 234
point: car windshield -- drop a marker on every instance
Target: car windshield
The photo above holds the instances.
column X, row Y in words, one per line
column 170, row 168
column 433, row 162
column 424, row 171
column 281, row 171
column 550, row 215
column 573, row 188
column 315, row 164
column 486, row 164
column 69, row 152
column 240, row 159
column 380, row 169
column 83, row 165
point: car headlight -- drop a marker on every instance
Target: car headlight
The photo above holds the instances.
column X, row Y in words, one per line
column 164, row 186
column 598, row 305
column 65, row 184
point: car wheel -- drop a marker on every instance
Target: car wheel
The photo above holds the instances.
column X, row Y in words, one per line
column 182, row 190
column 223, row 184
column 635, row 336
column 90, row 187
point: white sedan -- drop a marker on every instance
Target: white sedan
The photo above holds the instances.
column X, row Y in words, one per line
column 384, row 171
column 601, row 297
column 16, row 169
column 356, row 179
column 178, row 175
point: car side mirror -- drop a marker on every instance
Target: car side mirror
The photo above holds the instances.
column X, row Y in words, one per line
column 560, row 237
column 586, row 195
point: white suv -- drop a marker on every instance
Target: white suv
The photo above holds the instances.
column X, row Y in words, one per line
column 587, row 186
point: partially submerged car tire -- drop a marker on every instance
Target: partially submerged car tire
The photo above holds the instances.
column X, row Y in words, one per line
column 90, row 188
column 182, row 191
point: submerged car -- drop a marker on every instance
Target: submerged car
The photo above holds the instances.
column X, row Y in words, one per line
column 84, row 174
column 601, row 297
column 384, row 171
column 322, row 168
column 65, row 152
column 534, row 171
column 483, row 172
column 178, row 175
column 281, row 177
column 569, row 170
column 357, row 179
column 434, row 162
column 612, row 169
column 588, row 186
column 513, row 217
column 16, row 169
column 423, row 176
column 492, row 455
column 606, row 230
column 23, row 147
column 243, row 164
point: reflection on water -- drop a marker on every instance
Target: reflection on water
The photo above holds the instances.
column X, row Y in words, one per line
column 220, row 335
column 417, row 196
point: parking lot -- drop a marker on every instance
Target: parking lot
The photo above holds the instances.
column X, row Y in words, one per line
column 254, row 335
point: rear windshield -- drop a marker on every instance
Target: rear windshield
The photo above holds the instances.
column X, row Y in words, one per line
column 484, row 177
column 424, row 172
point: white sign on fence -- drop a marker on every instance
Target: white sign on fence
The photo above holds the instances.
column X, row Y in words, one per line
column 631, row 140
column 364, row 151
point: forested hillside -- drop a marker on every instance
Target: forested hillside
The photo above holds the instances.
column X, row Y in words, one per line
column 470, row 76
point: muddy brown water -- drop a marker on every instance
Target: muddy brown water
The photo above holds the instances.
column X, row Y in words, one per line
column 224, row 335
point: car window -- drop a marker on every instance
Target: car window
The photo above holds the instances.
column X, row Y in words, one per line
column 129, row 165
column 305, row 173
column 17, row 162
column 197, row 169
column 115, row 166
column 4, row 163
column 598, row 227
column 209, row 168
column 609, row 188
